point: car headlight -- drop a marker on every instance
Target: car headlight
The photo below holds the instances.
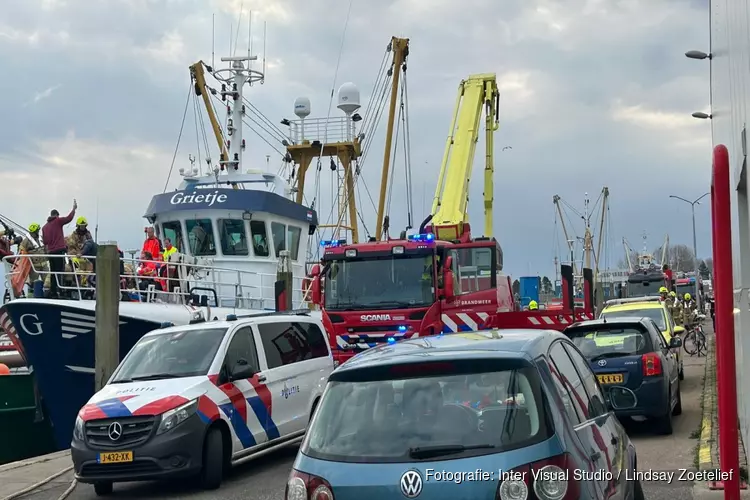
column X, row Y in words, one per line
column 78, row 433
column 172, row 418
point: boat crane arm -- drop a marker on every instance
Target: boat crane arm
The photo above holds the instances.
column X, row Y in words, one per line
column 449, row 206
column 201, row 89
column 665, row 251
column 605, row 200
column 628, row 251
column 556, row 201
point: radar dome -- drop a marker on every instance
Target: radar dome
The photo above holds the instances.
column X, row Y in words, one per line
column 302, row 107
column 348, row 98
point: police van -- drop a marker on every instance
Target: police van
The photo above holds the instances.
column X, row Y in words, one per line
column 193, row 400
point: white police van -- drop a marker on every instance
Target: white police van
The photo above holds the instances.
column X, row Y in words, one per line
column 193, row 400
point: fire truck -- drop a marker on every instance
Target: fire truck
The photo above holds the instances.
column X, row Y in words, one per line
column 440, row 280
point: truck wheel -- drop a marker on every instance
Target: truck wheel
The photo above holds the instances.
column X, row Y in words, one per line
column 213, row 460
column 103, row 488
column 638, row 491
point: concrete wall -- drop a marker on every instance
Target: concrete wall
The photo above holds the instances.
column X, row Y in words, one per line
column 730, row 106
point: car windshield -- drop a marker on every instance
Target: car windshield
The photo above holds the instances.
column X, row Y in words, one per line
column 402, row 420
column 681, row 290
column 380, row 283
column 644, row 288
column 184, row 353
column 654, row 313
column 602, row 341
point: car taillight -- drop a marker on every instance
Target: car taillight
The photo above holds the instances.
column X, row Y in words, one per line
column 301, row 486
column 549, row 479
column 651, row 364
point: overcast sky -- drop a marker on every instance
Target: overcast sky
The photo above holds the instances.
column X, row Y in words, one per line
column 594, row 93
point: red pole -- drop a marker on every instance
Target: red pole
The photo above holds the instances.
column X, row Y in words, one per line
column 721, row 216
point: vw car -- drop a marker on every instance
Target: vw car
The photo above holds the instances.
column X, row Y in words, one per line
column 193, row 400
column 649, row 307
column 499, row 414
column 632, row 352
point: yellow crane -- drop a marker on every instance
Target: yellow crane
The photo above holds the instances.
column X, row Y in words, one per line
column 449, row 207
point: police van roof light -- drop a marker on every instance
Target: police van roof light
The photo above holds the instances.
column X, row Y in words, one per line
column 231, row 317
column 332, row 243
column 166, row 324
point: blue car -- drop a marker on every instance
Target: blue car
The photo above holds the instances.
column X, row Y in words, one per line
column 499, row 414
column 633, row 353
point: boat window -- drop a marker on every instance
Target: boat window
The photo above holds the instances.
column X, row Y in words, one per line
column 201, row 237
column 260, row 240
column 233, row 237
column 293, row 233
column 279, row 237
column 173, row 232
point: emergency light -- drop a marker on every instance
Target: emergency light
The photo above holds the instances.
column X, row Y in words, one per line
column 422, row 237
column 332, row 243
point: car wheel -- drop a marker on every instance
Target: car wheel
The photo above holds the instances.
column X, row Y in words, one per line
column 638, row 491
column 103, row 488
column 678, row 407
column 213, row 460
column 682, row 371
column 665, row 422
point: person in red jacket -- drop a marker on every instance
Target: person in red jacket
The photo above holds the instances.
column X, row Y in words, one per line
column 152, row 244
column 54, row 241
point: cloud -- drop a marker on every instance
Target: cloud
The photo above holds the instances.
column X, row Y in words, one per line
column 593, row 93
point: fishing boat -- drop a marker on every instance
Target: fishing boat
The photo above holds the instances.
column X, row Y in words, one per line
column 230, row 226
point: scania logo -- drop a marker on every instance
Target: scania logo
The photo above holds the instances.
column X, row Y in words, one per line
column 114, row 431
column 375, row 317
column 411, row 484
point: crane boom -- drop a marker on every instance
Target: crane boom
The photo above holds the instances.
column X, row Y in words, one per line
column 199, row 76
column 449, row 207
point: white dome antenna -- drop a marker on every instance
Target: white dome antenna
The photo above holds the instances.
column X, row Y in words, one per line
column 302, row 107
column 348, row 98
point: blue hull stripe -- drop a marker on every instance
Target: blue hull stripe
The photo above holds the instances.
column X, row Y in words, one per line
column 114, row 408
column 265, row 419
column 239, row 425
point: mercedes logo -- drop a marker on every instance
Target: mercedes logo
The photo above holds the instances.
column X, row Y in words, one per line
column 114, row 431
column 411, row 484
column 602, row 362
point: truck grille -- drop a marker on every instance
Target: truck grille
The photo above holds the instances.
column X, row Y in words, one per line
column 134, row 431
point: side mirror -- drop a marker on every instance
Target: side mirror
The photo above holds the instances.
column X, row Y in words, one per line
column 316, row 291
column 675, row 342
column 679, row 330
column 448, row 284
column 241, row 370
column 622, row 398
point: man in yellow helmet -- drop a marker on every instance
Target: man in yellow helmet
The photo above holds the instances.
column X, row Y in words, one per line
column 689, row 310
column 80, row 244
column 664, row 294
column 30, row 245
column 533, row 306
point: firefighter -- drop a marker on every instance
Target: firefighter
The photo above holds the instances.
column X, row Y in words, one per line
column 690, row 310
column 678, row 313
column 664, row 295
column 533, row 306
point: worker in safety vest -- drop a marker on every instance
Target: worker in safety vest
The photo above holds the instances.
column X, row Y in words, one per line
column 689, row 310
column 168, row 273
column 533, row 306
column 664, row 296
column 79, row 244
column 32, row 244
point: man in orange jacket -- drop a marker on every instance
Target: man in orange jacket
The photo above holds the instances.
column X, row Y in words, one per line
column 152, row 244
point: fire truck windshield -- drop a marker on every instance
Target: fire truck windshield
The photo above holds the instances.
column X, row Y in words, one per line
column 395, row 281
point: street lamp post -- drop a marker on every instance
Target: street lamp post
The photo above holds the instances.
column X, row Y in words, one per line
column 695, row 245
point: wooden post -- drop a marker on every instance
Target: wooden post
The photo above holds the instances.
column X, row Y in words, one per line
column 284, row 283
column 107, row 343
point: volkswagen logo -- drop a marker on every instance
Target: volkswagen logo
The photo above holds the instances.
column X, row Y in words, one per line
column 411, row 484
column 114, row 431
column 602, row 362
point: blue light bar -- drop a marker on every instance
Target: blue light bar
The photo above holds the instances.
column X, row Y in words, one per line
column 402, row 328
column 332, row 243
column 391, row 340
column 422, row 237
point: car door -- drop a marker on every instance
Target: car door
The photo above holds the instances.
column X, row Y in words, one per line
column 614, row 436
column 313, row 370
column 247, row 426
column 592, row 427
column 283, row 350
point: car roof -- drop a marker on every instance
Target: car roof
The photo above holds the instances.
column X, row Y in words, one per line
column 633, row 306
column 619, row 321
column 242, row 320
column 509, row 344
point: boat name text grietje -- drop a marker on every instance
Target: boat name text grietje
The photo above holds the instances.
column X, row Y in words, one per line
column 209, row 199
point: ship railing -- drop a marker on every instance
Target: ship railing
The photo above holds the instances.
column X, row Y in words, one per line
column 183, row 283
column 324, row 130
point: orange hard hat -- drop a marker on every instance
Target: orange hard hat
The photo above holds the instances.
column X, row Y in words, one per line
column 4, row 370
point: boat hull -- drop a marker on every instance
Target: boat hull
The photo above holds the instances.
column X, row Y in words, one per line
column 56, row 338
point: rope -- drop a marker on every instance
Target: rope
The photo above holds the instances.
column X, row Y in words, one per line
column 182, row 127
column 39, row 484
column 70, row 489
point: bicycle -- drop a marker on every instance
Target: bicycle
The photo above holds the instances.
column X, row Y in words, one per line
column 695, row 341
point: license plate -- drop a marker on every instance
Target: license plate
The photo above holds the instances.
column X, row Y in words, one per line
column 115, row 457
column 615, row 378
